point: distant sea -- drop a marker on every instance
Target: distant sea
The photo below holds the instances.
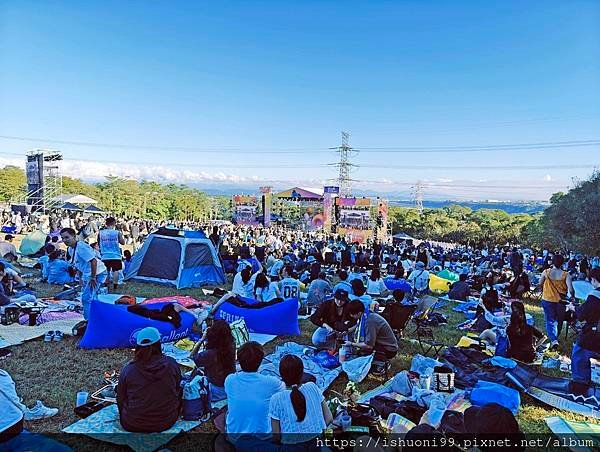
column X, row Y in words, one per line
column 508, row 207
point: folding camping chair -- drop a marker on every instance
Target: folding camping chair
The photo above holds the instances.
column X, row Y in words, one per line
column 427, row 342
column 398, row 316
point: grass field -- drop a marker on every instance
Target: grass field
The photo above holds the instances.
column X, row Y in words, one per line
column 55, row 372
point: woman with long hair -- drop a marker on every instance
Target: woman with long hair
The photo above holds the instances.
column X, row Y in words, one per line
column 265, row 290
column 375, row 285
column 521, row 336
column 149, row 391
column 300, row 412
column 218, row 357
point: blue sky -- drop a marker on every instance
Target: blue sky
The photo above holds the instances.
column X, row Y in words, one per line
column 286, row 77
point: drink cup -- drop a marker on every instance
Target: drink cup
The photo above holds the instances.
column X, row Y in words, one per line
column 82, row 397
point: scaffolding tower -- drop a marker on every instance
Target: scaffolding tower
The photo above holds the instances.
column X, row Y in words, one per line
column 44, row 179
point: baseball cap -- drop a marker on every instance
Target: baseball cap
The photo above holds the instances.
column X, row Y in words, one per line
column 147, row 336
column 420, row 264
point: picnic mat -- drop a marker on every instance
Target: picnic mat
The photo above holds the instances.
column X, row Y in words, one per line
column 324, row 376
column 579, row 431
column 51, row 316
column 104, row 425
column 16, row 334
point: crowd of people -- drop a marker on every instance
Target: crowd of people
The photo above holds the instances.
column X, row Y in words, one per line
column 341, row 285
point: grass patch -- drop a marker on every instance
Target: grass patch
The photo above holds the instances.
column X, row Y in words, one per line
column 55, row 372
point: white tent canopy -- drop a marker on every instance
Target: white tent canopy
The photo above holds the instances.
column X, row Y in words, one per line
column 76, row 199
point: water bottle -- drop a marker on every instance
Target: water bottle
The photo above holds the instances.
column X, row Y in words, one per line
column 342, row 354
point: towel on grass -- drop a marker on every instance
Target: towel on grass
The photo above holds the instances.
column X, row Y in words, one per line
column 104, row 425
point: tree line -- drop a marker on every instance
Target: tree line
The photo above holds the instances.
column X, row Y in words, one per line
column 572, row 221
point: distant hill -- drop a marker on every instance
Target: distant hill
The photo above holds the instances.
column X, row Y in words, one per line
column 509, row 207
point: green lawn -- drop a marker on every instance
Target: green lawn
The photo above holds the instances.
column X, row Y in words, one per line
column 55, row 372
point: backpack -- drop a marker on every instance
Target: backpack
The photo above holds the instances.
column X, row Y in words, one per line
column 240, row 333
column 196, row 399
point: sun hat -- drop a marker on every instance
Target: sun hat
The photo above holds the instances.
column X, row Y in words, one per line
column 311, row 259
column 147, row 336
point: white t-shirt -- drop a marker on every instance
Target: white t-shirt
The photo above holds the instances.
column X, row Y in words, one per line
column 84, row 254
column 290, row 288
column 268, row 293
column 243, row 289
column 375, row 287
column 248, row 397
column 282, row 410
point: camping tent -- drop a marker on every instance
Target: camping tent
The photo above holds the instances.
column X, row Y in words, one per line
column 177, row 258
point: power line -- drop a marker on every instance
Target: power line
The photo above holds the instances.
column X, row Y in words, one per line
column 383, row 149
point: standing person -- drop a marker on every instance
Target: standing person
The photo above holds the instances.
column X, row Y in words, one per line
column 555, row 283
column 587, row 345
column 91, row 269
column 149, row 389
column 215, row 238
column 299, row 412
column 248, row 396
column 109, row 240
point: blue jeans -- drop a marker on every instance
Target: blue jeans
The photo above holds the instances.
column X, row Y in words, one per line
column 554, row 313
column 88, row 295
column 322, row 338
column 580, row 364
column 217, row 393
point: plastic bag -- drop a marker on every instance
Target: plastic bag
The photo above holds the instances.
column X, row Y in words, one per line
column 487, row 392
column 402, row 383
column 423, row 365
column 358, row 368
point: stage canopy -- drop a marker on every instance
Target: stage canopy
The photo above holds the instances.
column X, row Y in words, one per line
column 69, row 206
column 300, row 194
column 76, row 199
column 93, row 209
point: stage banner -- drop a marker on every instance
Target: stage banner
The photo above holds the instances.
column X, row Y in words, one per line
column 328, row 193
column 353, row 202
column 244, row 209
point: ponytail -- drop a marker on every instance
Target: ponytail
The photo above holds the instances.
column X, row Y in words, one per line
column 291, row 370
column 298, row 403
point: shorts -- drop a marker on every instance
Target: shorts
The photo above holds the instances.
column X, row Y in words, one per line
column 114, row 265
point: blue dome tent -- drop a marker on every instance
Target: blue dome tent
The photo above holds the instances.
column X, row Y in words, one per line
column 177, row 258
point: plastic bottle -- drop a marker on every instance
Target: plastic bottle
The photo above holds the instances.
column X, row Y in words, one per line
column 342, row 354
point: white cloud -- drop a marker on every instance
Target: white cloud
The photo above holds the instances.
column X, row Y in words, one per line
column 547, row 178
column 445, row 180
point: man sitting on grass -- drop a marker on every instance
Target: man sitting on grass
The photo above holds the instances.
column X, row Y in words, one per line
column 248, row 397
column 373, row 334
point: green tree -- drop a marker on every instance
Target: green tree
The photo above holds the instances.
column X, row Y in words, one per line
column 12, row 183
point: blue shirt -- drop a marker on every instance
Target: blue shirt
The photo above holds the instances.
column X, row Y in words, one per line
column 58, row 272
column 108, row 239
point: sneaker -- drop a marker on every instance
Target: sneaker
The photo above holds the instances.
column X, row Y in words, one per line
column 49, row 337
column 39, row 411
column 58, row 335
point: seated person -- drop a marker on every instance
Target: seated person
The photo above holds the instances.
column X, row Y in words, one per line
column 43, row 261
column 149, row 391
column 58, row 269
column 8, row 251
column 375, row 285
column 489, row 296
column 218, row 357
column 521, row 335
column 396, row 312
column 460, row 290
column 344, row 282
column 248, row 396
column 360, row 293
column 4, row 294
column 265, row 290
column 519, row 285
column 588, row 343
column 332, row 318
column 372, row 334
column 126, row 261
column 318, row 291
column 300, row 412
